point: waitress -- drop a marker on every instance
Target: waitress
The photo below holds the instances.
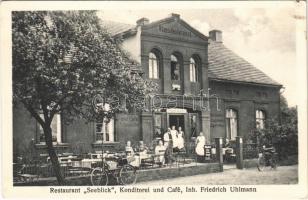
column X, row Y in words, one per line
column 200, row 142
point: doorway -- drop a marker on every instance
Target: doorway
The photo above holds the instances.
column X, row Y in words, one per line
column 177, row 121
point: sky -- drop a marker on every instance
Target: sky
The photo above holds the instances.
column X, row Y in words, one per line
column 264, row 36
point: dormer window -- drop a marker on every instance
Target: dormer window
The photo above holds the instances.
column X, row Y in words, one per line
column 153, row 66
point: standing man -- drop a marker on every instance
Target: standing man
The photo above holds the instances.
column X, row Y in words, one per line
column 168, row 143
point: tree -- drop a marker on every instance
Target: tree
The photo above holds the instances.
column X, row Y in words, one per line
column 283, row 103
column 283, row 134
column 62, row 61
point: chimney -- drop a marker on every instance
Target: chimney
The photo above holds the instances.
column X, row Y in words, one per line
column 174, row 15
column 142, row 21
column 216, row 35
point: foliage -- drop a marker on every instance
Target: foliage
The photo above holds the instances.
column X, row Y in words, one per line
column 284, row 135
column 283, row 103
column 63, row 60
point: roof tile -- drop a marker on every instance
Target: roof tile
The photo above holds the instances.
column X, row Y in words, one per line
column 226, row 65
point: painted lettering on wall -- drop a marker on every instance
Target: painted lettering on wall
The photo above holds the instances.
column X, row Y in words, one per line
column 174, row 31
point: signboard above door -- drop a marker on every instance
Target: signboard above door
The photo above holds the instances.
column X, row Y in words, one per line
column 176, row 110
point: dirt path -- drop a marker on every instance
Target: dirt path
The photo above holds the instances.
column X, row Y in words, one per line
column 283, row 175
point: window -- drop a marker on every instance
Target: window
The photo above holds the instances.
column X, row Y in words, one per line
column 153, row 66
column 231, row 124
column 175, row 68
column 104, row 132
column 157, row 123
column 55, row 128
column 260, row 119
column 193, row 71
column 175, row 73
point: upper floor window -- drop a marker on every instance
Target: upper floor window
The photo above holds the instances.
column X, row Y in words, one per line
column 175, row 73
column 175, row 68
column 260, row 119
column 153, row 66
column 193, row 70
column 104, row 131
column 55, row 129
column 231, row 124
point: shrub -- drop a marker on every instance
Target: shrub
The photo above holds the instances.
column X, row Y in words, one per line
column 283, row 136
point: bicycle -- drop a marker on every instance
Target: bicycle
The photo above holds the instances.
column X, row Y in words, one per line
column 117, row 167
column 267, row 157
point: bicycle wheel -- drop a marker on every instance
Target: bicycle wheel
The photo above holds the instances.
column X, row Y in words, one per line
column 99, row 177
column 127, row 175
column 261, row 163
column 274, row 162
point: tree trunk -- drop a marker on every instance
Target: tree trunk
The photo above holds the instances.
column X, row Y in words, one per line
column 53, row 156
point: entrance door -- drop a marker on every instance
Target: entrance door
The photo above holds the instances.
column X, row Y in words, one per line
column 177, row 121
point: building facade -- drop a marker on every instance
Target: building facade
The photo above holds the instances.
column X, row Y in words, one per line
column 202, row 87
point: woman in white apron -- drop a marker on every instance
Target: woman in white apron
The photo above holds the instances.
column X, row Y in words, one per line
column 200, row 142
column 180, row 139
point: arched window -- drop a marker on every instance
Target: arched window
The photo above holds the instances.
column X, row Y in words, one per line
column 153, row 66
column 173, row 58
column 260, row 119
column 175, row 73
column 193, row 71
column 175, row 68
column 231, row 124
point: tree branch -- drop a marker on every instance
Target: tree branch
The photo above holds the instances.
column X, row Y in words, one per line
column 34, row 113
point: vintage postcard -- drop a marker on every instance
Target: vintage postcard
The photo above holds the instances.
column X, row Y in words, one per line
column 154, row 99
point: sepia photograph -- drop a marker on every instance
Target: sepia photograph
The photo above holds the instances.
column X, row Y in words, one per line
column 181, row 100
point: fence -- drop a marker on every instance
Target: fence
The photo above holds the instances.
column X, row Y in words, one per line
column 34, row 170
column 250, row 150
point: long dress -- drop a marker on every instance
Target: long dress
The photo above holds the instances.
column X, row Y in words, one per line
column 174, row 135
column 181, row 140
column 200, row 145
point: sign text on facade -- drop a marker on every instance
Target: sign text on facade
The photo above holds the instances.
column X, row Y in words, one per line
column 174, row 31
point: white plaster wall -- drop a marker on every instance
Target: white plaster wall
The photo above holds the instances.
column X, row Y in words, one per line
column 133, row 45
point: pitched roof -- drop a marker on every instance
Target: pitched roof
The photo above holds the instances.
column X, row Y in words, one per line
column 224, row 64
column 115, row 28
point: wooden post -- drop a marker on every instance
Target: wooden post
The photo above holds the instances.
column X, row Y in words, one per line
column 239, row 152
column 219, row 157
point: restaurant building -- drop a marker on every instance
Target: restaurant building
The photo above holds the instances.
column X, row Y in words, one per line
column 202, row 86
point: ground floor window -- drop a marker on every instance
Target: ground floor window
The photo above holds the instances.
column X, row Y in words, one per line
column 157, row 126
column 231, row 124
column 55, row 128
column 104, row 131
column 260, row 119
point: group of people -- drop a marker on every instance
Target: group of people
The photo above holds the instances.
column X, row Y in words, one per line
column 174, row 139
column 135, row 157
column 171, row 142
